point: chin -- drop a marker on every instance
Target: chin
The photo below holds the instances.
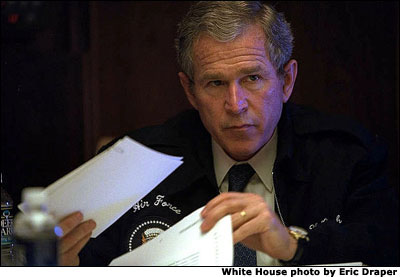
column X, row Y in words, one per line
column 240, row 149
column 242, row 154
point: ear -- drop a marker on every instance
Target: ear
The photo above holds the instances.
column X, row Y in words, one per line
column 289, row 79
column 185, row 83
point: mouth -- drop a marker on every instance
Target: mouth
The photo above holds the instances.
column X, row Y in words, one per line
column 242, row 127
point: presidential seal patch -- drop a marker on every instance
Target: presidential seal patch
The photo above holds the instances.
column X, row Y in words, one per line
column 150, row 228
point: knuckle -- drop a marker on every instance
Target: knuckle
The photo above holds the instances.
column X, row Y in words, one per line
column 227, row 195
column 266, row 216
column 69, row 259
column 65, row 244
column 85, row 228
column 69, row 223
column 214, row 214
column 224, row 194
column 230, row 202
column 257, row 198
column 263, row 206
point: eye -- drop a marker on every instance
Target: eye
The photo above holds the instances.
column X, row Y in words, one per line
column 254, row 78
column 216, row 83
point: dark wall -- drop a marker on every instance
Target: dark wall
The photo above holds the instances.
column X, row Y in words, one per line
column 348, row 64
column 41, row 92
column 100, row 69
column 132, row 74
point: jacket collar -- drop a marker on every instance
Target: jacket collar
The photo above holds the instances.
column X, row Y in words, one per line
column 187, row 137
column 195, row 145
column 288, row 133
column 285, row 138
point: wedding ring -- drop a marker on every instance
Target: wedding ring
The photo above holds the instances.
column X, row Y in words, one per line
column 243, row 213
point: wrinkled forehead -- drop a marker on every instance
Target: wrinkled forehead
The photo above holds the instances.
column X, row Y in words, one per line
column 251, row 42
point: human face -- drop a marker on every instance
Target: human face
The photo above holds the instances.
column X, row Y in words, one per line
column 237, row 91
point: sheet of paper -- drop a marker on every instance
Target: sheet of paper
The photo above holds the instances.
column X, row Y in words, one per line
column 184, row 245
column 105, row 187
column 340, row 264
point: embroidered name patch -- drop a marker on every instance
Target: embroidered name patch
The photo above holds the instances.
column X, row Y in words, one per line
column 159, row 201
column 312, row 226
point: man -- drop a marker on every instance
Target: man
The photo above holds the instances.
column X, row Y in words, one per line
column 314, row 191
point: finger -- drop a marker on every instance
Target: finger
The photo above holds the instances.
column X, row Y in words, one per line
column 229, row 203
column 264, row 221
column 218, row 200
column 69, row 222
column 71, row 256
column 246, row 230
column 228, row 206
column 256, row 207
column 272, row 238
column 241, row 217
column 78, row 233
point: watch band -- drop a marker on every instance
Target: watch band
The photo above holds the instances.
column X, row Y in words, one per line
column 302, row 238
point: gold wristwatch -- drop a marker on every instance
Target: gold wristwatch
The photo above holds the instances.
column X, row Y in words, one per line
column 301, row 235
column 298, row 233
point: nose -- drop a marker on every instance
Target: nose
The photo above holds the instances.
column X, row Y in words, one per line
column 236, row 101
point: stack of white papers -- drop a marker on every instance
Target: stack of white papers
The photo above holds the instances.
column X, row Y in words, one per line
column 184, row 245
column 105, row 187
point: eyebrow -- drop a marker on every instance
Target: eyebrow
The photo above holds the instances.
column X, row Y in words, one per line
column 243, row 71
column 252, row 70
column 211, row 76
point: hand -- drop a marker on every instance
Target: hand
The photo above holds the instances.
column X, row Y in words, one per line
column 259, row 229
column 75, row 235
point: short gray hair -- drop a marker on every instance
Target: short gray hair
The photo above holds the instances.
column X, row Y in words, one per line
column 225, row 20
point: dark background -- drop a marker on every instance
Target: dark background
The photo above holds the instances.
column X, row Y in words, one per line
column 75, row 74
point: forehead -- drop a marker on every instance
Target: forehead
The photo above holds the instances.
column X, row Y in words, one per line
column 247, row 47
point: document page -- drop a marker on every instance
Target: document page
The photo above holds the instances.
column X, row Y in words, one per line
column 184, row 245
column 340, row 264
column 105, row 187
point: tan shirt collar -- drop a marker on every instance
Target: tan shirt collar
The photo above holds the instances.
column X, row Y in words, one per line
column 262, row 162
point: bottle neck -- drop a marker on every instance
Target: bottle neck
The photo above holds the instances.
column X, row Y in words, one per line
column 28, row 208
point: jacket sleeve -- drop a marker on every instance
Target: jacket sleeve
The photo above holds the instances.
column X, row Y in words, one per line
column 368, row 229
column 101, row 250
